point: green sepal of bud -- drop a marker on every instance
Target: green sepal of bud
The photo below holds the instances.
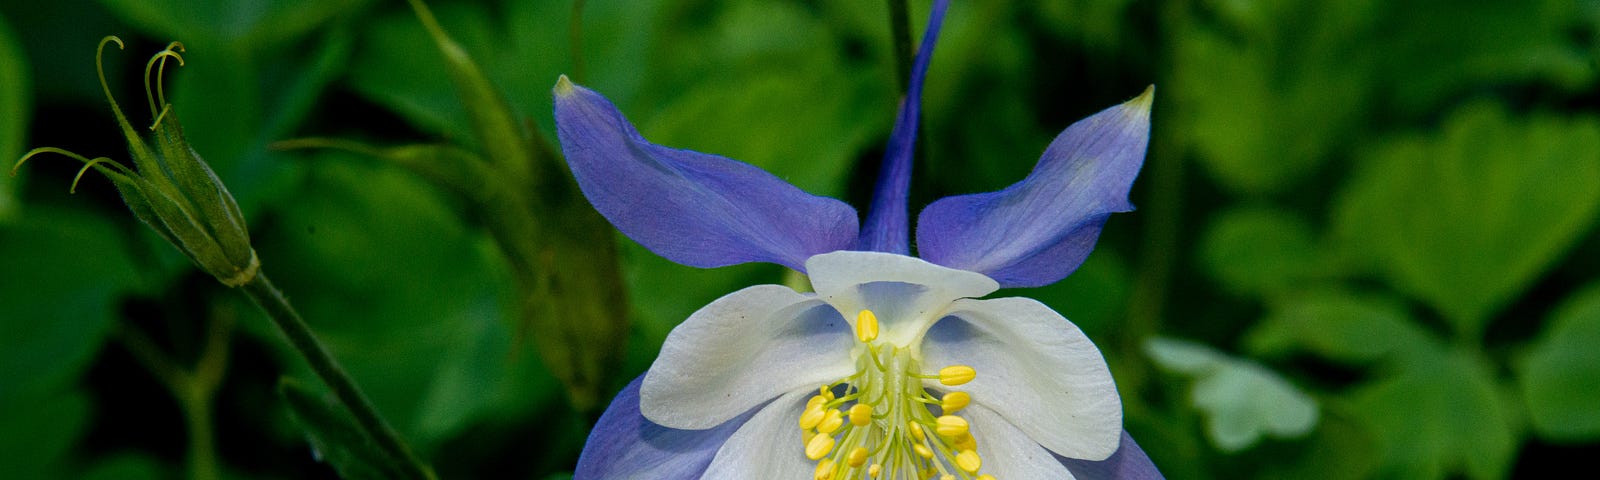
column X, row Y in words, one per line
column 173, row 190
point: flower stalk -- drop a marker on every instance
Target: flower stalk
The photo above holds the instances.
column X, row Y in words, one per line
column 178, row 196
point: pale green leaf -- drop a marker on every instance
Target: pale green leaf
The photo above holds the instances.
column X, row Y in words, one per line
column 1241, row 400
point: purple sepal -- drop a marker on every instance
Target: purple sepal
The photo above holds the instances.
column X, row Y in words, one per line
column 886, row 228
column 1129, row 463
column 626, row 445
column 692, row 208
column 1039, row 230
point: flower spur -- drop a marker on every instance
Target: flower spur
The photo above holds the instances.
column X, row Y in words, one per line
column 894, row 367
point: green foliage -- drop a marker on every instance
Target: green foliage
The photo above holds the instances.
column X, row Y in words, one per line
column 14, row 110
column 1242, row 401
column 1466, row 219
column 1559, row 375
column 1388, row 203
column 1259, row 250
column 335, row 437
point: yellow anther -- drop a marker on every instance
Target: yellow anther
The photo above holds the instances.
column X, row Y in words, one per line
column 861, row 415
column 857, row 457
column 968, row 460
column 965, row 442
column 923, row 451
column 811, row 417
column 950, row 426
column 947, row 477
column 866, row 326
column 986, row 477
column 956, row 375
column 831, row 421
column 954, row 401
column 916, row 431
column 816, row 401
column 874, row 470
column 824, row 470
column 819, row 446
column 826, row 393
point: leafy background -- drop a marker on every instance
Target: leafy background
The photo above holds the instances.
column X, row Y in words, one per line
column 1365, row 246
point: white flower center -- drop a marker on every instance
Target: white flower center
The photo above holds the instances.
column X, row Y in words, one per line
column 883, row 424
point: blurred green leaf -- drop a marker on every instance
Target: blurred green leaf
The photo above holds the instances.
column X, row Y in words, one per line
column 1468, row 219
column 1340, row 449
column 1269, row 91
column 63, row 272
column 237, row 22
column 40, row 433
column 410, row 302
column 1439, row 414
column 1259, row 250
column 128, row 466
column 1338, row 325
column 1559, row 375
column 1241, row 400
column 1430, row 57
column 14, row 112
column 334, row 436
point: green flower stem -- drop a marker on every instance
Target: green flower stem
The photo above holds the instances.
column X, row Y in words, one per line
column 900, row 29
column 195, row 389
column 270, row 299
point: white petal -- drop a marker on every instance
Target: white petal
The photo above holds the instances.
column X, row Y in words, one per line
column 1036, row 369
column 741, row 350
column 1007, row 452
column 907, row 294
column 767, row 446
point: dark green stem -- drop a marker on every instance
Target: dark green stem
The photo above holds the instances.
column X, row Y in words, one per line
column 271, row 300
column 900, row 29
column 575, row 31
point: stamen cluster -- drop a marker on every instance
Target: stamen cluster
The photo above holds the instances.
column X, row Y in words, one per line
column 881, row 423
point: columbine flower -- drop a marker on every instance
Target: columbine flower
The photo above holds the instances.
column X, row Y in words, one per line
column 894, row 368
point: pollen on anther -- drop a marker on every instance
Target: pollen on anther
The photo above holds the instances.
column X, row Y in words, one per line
column 876, row 469
column 954, row 401
column 956, row 375
column 824, row 470
column 858, row 457
column 951, row 426
column 819, row 446
column 831, row 421
column 969, row 460
column 866, row 326
column 861, row 414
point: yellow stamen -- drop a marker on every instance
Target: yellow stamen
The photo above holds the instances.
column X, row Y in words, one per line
column 819, row 446
column 824, row 470
column 954, row 401
column 831, row 421
column 916, row 432
column 866, row 326
column 968, row 460
column 986, row 477
column 965, row 442
column 956, row 375
column 923, row 451
column 812, row 417
column 874, row 470
column 861, row 415
column 947, row 477
column 951, row 426
column 858, row 457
